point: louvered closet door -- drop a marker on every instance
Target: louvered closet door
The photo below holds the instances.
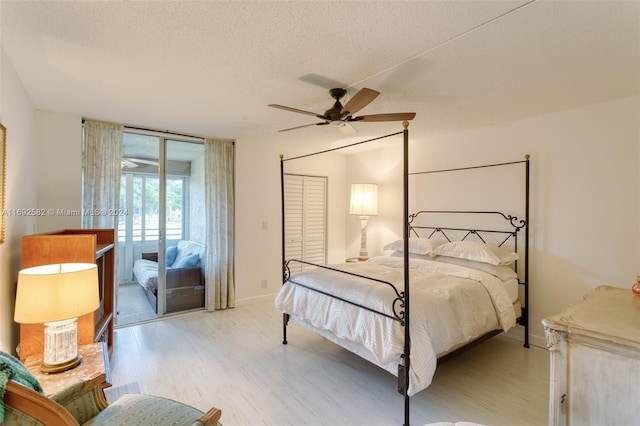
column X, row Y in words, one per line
column 305, row 200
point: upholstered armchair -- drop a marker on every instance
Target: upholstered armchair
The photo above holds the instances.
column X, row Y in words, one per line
column 83, row 404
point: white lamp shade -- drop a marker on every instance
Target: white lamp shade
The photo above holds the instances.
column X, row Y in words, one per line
column 56, row 292
column 364, row 199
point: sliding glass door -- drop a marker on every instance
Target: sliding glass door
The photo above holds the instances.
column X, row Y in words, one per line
column 184, row 216
column 158, row 272
column 139, row 231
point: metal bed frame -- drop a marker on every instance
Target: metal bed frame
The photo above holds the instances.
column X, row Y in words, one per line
column 401, row 303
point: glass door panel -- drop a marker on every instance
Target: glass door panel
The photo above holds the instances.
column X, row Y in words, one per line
column 185, row 225
column 139, row 230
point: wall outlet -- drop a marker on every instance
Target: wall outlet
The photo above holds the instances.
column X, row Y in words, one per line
column 264, row 284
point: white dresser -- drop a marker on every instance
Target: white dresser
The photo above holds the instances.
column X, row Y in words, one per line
column 595, row 360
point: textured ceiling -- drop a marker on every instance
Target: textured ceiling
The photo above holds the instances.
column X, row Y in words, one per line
column 211, row 67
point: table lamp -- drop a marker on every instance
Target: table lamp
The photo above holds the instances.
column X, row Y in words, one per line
column 56, row 295
column 364, row 203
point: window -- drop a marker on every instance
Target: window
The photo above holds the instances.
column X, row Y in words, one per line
column 144, row 204
column 305, row 200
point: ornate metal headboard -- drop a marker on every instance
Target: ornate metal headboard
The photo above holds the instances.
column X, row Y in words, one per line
column 420, row 226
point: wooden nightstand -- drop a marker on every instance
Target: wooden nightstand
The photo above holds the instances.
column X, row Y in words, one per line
column 93, row 370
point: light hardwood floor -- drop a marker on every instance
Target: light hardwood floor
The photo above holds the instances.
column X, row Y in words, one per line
column 235, row 360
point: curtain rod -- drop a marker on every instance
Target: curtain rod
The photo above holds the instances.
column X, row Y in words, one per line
column 166, row 132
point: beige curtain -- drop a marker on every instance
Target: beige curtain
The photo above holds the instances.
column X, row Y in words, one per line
column 101, row 158
column 219, row 197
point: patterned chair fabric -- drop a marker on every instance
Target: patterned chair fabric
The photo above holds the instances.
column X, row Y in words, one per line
column 79, row 399
column 134, row 409
column 79, row 406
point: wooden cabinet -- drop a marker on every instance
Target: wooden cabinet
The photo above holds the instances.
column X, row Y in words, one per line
column 69, row 246
column 595, row 360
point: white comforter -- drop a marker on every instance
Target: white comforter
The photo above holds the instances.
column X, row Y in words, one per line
column 449, row 305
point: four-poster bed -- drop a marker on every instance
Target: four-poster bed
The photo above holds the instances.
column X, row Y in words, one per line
column 365, row 307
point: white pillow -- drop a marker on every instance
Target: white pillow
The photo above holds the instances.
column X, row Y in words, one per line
column 479, row 252
column 503, row 272
column 400, row 253
column 416, row 245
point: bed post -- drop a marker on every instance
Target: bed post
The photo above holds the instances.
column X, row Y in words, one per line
column 405, row 232
column 285, row 317
column 526, row 254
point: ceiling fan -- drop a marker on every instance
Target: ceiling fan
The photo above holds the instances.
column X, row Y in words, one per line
column 343, row 115
column 131, row 162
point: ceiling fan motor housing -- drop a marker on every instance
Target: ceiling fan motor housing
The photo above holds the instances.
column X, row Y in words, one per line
column 335, row 112
column 337, row 93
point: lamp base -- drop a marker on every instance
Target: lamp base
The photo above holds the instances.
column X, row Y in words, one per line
column 60, row 346
column 59, row 368
column 363, row 256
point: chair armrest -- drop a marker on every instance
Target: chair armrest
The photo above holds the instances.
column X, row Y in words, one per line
column 83, row 399
column 23, row 404
column 183, row 277
column 150, row 256
column 210, row 418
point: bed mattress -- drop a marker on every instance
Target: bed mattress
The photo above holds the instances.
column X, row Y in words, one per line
column 450, row 305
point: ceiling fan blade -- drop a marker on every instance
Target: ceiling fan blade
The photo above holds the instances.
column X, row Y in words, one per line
column 359, row 101
column 139, row 161
column 321, row 81
column 347, row 129
column 286, row 108
column 306, row 125
column 129, row 164
column 400, row 116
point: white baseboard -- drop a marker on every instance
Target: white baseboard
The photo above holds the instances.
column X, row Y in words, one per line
column 255, row 300
column 517, row 333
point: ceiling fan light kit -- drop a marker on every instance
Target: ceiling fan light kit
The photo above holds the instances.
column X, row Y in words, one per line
column 342, row 115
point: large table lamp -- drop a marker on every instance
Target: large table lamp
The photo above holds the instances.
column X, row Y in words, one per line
column 364, row 203
column 56, row 295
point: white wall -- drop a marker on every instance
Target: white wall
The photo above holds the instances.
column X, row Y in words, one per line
column 585, row 180
column 17, row 114
column 258, row 200
column 59, row 163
